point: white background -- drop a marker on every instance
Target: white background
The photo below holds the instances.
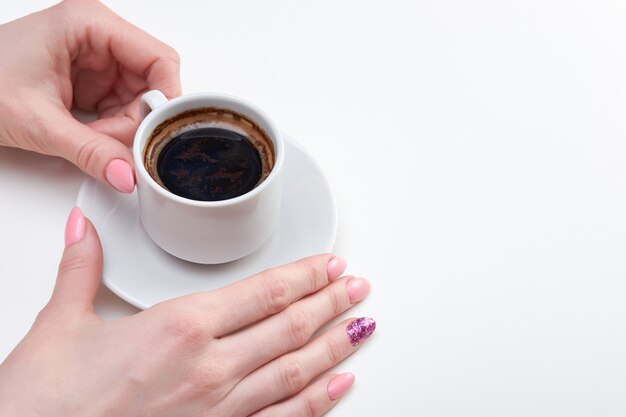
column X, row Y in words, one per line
column 477, row 151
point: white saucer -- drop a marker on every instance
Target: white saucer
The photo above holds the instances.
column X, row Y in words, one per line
column 141, row 273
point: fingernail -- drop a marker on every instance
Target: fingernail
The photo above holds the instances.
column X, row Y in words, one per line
column 357, row 288
column 360, row 329
column 336, row 266
column 75, row 227
column 120, row 175
column 339, row 385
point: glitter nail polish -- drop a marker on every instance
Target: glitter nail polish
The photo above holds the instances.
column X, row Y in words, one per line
column 360, row 329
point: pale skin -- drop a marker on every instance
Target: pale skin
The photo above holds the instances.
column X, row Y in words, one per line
column 248, row 349
column 79, row 54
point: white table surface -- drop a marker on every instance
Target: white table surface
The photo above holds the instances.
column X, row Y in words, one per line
column 478, row 155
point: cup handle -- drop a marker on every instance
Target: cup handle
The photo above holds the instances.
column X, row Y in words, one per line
column 150, row 101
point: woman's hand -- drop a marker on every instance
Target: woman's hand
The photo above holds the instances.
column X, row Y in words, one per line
column 79, row 53
column 245, row 349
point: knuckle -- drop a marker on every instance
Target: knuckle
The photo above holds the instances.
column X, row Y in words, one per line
column 334, row 352
column 82, row 2
column 310, row 408
column 172, row 54
column 45, row 318
column 168, row 57
column 186, row 327
column 87, row 155
column 77, row 262
column 292, row 376
column 299, row 328
column 72, row 6
column 69, row 3
column 209, row 377
column 336, row 305
column 276, row 296
column 56, row 317
column 314, row 274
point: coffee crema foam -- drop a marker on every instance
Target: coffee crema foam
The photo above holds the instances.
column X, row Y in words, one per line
column 203, row 118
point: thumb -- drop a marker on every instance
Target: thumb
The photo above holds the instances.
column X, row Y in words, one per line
column 97, row 154
column 80, row 269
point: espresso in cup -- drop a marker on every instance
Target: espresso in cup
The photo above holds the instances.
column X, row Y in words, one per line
column 209, row 170
column 209, row 154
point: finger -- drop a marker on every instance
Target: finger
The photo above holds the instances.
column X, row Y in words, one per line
column 97, row 154
column 314, row 401
column 268, row 292
column 143, row 54
column 94, row 90
column 291, row 373
column 80, row 269
column 119, row 110
column 120, row 125
column 101, row 30
column 293, row 327
column 90, row 86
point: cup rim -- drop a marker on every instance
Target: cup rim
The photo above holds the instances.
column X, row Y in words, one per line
column 274, row 133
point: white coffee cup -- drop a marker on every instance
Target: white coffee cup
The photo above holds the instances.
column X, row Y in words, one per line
column 206, row 232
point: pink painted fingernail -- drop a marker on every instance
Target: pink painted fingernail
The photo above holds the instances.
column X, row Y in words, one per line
column 360, row 329
column 339, row 385
column 357, row 288
column 75, row 227
column 336, row 266
column 120, row 175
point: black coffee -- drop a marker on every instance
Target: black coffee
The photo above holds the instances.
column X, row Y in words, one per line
column 209, row 154
column 209, row 164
